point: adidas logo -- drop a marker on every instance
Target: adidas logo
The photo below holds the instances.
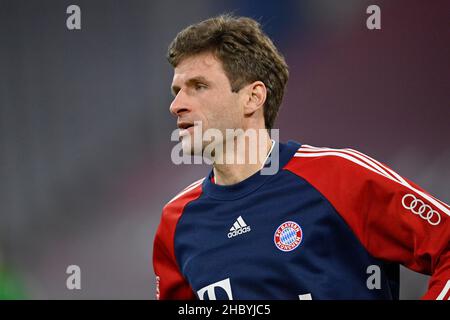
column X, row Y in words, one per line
column 238, row 228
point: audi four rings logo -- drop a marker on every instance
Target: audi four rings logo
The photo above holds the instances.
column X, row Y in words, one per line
column 421, row 209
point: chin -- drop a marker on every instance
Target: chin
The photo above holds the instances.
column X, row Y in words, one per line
column 190, row 149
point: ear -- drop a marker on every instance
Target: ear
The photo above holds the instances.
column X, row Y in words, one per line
column 255, row 96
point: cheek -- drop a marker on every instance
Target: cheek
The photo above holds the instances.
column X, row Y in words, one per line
column 233, row 113
column 225, row 116
column 221, row 111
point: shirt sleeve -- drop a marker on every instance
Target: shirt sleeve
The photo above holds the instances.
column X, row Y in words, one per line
column 170, row 282
column 395, row 219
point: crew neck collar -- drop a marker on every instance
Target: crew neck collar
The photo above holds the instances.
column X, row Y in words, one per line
column 247, row 186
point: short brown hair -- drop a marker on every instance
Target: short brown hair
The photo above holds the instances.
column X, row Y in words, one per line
column 246, row 52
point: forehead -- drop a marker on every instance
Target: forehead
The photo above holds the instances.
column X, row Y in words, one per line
column 203, row 64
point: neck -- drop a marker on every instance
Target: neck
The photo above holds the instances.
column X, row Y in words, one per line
column 237, row 171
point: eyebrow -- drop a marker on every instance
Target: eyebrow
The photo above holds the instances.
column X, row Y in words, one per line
column 190, row 82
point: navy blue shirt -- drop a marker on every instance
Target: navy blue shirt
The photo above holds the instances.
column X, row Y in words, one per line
column 320, row 228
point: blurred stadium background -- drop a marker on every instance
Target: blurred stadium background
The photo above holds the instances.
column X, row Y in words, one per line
column 85, row 128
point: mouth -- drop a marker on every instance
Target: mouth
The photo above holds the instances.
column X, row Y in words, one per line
column 185, row 128
column 184, row 125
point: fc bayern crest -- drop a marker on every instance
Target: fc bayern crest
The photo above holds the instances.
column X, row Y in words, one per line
column 288, row 236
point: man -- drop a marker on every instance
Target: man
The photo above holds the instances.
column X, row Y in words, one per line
column 328, row 224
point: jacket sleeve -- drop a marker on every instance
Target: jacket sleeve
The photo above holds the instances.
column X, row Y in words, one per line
column 170, row 282
column 394, row 218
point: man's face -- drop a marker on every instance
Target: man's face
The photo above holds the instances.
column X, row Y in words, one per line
column 202, row 92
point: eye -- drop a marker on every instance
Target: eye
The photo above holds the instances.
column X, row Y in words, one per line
column 200, row 86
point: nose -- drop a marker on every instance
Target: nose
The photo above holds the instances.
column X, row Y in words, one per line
column 179, row 105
